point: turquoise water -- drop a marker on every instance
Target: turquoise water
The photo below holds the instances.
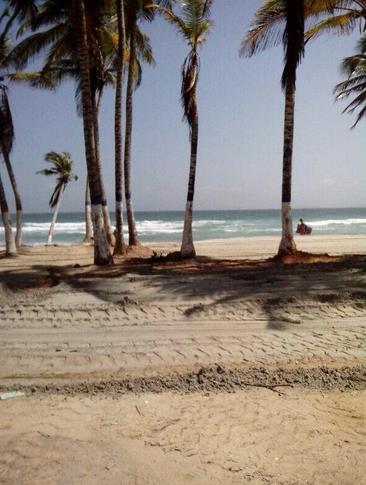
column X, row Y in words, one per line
column 167, row 225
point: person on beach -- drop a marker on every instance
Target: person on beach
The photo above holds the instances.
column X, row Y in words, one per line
column 303, row 229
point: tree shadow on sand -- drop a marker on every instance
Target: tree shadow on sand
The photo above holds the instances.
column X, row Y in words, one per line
column 282, row 293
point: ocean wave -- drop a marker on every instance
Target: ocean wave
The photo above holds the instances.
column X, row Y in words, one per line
column 331, row 222
column 204, row 228
column 43, row 227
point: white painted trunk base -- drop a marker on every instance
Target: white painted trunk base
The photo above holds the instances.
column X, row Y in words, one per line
column 107, row 226
column 187, row 248
column 287, row 244
column 10, row 247
column 54, row 217
column 87, row 214
column 88, row 224
column 18, row 235
column 101, row 248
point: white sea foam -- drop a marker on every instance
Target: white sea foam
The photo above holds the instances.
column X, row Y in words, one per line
column 163, row 228
column 331, row 222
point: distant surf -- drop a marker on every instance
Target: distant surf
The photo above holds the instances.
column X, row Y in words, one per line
column 167, row 225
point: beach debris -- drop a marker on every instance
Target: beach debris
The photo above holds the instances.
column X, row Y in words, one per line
column 11, row 395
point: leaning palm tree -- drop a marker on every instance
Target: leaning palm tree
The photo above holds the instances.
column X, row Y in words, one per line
column 193, row 24
column 62, row 169
column 294, row 47
column 355, row 84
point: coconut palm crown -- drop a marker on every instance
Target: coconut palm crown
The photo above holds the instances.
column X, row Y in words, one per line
column 62, row 169
column 332, row 16
column 193, row 24
column 355, row 68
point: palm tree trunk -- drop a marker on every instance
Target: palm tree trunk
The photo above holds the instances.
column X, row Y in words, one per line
column 10, row 247
column 132, row 232
column 102, row 254
column 187, row 248
column 88, row 219
column 106, row 218
column 287, row 244
column 54, row 216
column 119, row 247
column 18, row 202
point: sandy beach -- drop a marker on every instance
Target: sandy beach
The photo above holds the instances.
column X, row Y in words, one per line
column 184, row 372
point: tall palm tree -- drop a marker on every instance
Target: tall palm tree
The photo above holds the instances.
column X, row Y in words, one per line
column 7, row 138
column 62, row 169
column 355, row 84
column 6, row 143
column 10, row 247
column 119, row 247
column 102, row 254
column 139, row 49
column 293, row 39
column 193, row 24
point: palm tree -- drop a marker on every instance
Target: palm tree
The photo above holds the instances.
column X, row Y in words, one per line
column 294, row 46
column 6, row 143
column 62, row 169
column 193, row 24
column 139, row 49
column 119, row 247
column 7, row 138
column 10, row 247
column 102, row 254
column 355, row 84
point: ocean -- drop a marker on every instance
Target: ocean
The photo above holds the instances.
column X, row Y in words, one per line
column 167, row 225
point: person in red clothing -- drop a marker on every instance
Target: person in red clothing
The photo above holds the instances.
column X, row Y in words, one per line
column 303, row 229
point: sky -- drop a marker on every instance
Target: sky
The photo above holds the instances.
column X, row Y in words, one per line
column 240, row 136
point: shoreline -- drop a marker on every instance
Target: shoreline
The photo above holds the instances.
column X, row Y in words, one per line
column 236, row 248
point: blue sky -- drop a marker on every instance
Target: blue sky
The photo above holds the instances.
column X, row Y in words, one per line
column 241, row 125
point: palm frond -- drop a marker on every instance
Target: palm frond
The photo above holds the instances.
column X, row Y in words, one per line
column 31, row 46
column 355, row 85
column 342, row 24
column 143, row 48
column 266, row 29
